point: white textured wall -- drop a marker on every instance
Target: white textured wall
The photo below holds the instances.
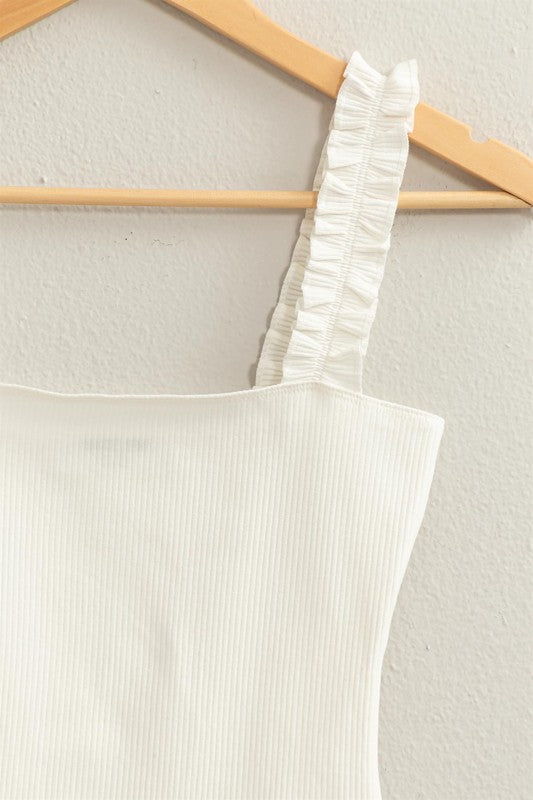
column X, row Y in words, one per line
column 132, row 93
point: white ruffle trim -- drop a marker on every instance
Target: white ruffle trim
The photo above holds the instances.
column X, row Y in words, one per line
column 321, row 325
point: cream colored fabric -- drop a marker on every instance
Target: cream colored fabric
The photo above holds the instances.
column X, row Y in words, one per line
column 197, row 590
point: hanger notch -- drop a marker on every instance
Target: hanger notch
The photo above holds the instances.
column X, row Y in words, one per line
column 241, row 21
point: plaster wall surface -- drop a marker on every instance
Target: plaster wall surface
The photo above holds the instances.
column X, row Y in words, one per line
column 133, row 93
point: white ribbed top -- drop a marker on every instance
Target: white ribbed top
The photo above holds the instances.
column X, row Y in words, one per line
column 196, row 590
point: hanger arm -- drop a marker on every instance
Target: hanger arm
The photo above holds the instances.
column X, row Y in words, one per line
column 241, row 21
column 17, row 14
column 491, row 160
column 439, row 133
column 244, row 23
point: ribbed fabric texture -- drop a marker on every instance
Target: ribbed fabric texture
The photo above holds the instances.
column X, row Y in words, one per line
column 196, row 590
column 196, row 593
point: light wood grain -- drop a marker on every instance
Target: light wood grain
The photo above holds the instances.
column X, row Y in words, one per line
column 50, row 195
column 439, row 133
column 18, row 14
column 435, row 131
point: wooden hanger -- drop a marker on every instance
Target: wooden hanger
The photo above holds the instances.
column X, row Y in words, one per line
column 240, row 20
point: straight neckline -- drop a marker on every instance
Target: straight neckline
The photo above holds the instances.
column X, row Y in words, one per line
column 236, row 395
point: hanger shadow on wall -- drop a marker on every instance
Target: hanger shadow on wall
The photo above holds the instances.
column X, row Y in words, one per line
column 241, row 21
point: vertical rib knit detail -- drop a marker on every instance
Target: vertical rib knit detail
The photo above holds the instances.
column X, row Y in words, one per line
column 196, row 593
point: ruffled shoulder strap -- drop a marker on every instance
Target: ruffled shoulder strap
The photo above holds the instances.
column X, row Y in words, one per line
column 321, row 324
